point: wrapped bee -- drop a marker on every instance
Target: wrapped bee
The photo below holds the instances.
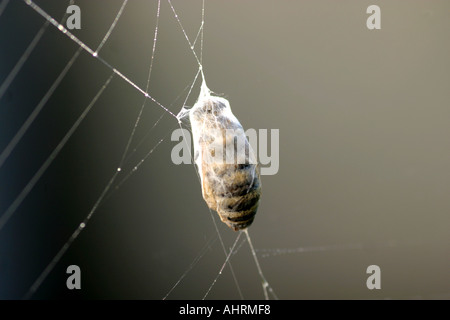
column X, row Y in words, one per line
column 227, row 167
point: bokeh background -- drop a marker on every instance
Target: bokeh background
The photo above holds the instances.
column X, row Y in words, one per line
column 364, row 173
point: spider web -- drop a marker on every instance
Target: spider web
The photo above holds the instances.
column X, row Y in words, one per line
column 151, row 235
column 131, row 146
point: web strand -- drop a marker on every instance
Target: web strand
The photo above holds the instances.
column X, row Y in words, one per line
column 201, row 37
column 138, row 119
column 197, row 258
column 33, row 115
column 139, row 144
column 16, row 69
column 265, row 285
column 64, row 248
column 10, row 78
column 3, row 5
column 265, row 253
column 186, row 36
column 111, row 28
column 92, row 52
column 223, row 266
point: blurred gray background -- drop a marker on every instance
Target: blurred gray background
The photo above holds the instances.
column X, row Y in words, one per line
column 364, row 173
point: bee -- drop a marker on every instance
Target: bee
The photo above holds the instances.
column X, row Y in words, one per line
column 228, row 170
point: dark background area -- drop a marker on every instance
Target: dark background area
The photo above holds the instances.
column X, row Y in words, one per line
column 364, row 173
